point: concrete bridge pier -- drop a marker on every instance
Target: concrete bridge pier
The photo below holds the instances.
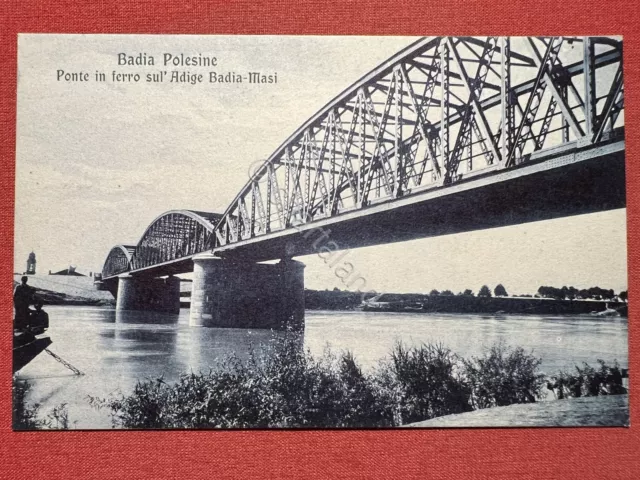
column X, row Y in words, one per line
column 144, row 293
column 228, row 293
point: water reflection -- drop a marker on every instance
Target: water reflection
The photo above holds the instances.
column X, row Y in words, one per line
column 134, row 336
column 205, row 348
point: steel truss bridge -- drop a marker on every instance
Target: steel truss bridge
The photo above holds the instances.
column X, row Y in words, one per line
column 450, row 134
column 174, row 237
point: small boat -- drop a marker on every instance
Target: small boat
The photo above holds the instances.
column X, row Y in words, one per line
column 375, row 307
column 29, row 340
column 26, row 347
column 413, row 307
column 391, row 307
column 607, row 312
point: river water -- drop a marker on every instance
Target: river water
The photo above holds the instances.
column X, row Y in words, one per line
column 114, row 349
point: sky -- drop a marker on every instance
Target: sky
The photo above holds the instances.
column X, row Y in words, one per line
column 98, row 161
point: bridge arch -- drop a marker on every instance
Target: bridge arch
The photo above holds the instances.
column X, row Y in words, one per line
column 118, row 260
column 173, row 235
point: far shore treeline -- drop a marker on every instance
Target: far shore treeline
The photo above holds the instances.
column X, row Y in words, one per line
column 548, row 300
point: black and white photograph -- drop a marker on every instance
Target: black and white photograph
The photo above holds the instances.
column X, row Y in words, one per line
column 301, row 232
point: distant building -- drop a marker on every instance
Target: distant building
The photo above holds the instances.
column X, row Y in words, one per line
column 31, row 264
column 69, row 271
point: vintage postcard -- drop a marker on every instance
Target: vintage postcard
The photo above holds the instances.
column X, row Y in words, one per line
column 319, row 232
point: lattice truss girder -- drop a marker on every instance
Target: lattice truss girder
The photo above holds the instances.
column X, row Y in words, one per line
column 435, row 114
column 171, row 236
column 117, row 262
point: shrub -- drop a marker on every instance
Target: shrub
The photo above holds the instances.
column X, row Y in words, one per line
column 503, row 376
column 143, row 408
column 588, row 381
column 368, row 404
column 59, row 417
column 424, row 382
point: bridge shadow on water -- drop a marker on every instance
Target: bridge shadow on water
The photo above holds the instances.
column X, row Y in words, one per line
column 204, row 349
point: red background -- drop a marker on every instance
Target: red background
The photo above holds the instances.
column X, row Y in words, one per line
column 586, row 453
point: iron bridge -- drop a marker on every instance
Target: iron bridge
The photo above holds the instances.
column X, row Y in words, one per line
column 450, row 134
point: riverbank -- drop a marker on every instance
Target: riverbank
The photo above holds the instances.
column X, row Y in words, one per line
column 67, row 290
column 607, row 410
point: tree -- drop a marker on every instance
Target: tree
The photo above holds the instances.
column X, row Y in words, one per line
column 500, row 291
column 598, row 293
column 434, row 292
column 469, row 292
column 551, row 292
column 484, row 291
column 447, row 293
column 623, row 296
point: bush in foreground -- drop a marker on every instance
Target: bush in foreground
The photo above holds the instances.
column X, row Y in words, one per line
column 504, row 376
column 288, row 387
column 422, row 382
column 588, row 381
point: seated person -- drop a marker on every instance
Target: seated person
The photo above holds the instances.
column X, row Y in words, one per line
column 38, row 319
column 22, row 298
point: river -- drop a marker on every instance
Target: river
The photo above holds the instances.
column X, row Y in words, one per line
column 114, row 349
